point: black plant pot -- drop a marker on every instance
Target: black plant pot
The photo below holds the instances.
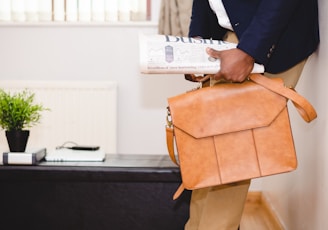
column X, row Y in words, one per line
column 17, row 140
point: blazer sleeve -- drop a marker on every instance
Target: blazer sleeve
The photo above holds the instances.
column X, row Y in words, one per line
column 262, row 29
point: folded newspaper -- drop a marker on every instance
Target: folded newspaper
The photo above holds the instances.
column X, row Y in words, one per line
column 175, row 54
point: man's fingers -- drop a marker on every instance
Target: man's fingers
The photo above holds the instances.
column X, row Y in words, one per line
column 213, row 53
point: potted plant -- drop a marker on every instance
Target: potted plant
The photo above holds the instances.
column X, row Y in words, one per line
column 17, row 113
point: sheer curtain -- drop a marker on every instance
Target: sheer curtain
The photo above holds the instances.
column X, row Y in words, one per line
column 74, row 10
column 174, row 17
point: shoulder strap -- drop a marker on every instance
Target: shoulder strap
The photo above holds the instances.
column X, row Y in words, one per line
column 170, row 149
column 305, row 109
column 170, row 144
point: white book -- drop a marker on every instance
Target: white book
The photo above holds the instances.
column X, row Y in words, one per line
column 65, row 154
column 29, row 157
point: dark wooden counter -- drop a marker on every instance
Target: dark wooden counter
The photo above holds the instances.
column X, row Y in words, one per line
column 123, row 192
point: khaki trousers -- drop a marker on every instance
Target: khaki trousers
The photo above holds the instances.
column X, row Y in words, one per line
column 221, row 207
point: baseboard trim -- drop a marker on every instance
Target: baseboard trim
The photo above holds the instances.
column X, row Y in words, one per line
column 257, row 198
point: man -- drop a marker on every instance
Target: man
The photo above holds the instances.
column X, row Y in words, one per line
column 279, row 34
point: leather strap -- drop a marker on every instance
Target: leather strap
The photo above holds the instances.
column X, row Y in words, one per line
column 170, row 144
column 304, row 108
column 178, row 192
column 170, row 148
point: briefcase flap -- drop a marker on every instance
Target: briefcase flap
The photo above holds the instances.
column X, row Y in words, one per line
column 225, row 108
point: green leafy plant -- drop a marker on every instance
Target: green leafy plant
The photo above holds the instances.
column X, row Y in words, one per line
column 18, row 111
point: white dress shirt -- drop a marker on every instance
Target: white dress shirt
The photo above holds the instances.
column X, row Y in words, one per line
column 218, row 8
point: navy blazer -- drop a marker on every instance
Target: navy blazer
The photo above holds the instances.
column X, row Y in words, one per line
column 276, row 33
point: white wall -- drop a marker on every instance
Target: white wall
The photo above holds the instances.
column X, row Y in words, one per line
column 96, row 52
column 300, row 198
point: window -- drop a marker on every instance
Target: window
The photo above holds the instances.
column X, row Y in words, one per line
column 75, row 10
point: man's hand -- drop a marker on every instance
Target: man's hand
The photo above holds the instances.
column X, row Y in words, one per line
column 235, row 66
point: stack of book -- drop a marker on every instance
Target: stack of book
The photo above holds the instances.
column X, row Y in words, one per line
column 30, row 157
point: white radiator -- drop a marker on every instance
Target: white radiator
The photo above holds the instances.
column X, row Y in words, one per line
column 83, row 112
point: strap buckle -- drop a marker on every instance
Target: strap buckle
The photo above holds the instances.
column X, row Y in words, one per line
column 168, row 117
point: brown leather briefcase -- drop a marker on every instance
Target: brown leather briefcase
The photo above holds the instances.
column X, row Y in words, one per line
column 233, row 131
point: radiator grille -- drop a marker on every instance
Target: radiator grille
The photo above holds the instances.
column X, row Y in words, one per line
column 83, row 112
